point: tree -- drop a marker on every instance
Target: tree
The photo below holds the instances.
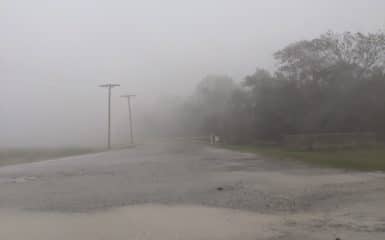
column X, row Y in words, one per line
column 330, row 72
column 275, row 104
column 211, row 100
column 309, row 60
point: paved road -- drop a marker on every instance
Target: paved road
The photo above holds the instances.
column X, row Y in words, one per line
column 308, row 201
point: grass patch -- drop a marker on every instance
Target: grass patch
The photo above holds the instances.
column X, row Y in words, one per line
column 368, row 159
column 26, row 155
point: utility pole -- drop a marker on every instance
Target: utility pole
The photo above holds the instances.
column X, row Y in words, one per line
column 109, row 86
column 130, row 116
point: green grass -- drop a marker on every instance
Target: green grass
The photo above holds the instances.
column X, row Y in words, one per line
column 368, row 159
column 26, row 155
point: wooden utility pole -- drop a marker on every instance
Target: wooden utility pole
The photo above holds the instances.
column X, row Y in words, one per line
column 109, row 86
column 129, row 96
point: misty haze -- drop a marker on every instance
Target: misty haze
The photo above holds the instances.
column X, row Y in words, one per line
column 192, row 119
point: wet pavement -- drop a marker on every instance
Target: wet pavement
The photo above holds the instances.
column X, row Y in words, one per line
column 187, row 191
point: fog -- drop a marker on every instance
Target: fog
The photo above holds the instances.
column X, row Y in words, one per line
column 54, row 54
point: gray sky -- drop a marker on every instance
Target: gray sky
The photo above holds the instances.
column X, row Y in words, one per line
column 54, row 53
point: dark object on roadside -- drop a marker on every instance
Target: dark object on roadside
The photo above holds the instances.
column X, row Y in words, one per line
column 338, row 238
column 220, row 188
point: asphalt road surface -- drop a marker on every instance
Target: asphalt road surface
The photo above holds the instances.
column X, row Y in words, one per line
column 187, row 191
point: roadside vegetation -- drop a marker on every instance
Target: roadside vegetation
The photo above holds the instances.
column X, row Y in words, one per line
column 330, row 88
column 26, row 155
column 363, row 159
column 334, row 83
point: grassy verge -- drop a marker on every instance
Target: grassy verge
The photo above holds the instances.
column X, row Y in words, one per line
column 369, row 159
column 25, row 155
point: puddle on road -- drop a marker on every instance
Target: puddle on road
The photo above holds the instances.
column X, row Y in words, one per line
column 148, row 222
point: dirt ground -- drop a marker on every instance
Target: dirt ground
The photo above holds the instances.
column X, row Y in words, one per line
column 184, row 191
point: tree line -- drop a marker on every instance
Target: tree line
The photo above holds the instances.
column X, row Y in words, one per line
column 334, row 83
